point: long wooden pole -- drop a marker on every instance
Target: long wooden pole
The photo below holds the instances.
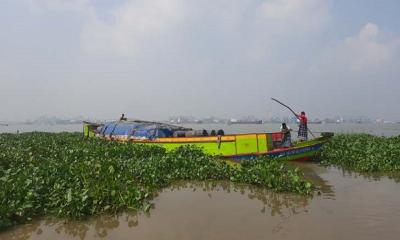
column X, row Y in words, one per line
column 281, row 103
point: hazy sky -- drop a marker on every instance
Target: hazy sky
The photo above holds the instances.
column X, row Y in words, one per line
column 156, row 58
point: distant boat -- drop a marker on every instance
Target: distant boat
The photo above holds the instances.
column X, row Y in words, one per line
column 234, row 121
column 315, row 122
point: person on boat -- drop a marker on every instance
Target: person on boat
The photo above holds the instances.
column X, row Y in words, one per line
column 286, row 136
column 303, row 129
column 123, row 118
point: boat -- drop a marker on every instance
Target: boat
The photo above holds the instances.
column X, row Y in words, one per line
column 230, row 146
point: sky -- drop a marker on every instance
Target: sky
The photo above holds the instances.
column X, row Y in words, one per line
column 159, row 58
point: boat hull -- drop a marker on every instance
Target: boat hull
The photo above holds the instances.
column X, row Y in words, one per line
column 304, row 153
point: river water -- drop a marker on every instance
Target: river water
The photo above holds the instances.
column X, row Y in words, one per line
column 376, row 129
column 349, row 206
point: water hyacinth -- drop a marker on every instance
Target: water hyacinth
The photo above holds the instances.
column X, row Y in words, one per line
column 64, row 175
column 363, row 152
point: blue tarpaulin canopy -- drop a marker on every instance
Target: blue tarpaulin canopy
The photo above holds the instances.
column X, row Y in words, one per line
column 152, row 131
column 137, row 130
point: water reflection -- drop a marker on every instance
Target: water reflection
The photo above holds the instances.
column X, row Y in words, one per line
column 23, row 232
column 100, row 225
column 374, row 176
column 277, row 203
column 313, row 172
column 282, row 205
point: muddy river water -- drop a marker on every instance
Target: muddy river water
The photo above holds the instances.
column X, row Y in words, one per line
column 349, row 206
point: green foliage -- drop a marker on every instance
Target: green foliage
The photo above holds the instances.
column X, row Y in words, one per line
column 363, row 152
column 67, row 176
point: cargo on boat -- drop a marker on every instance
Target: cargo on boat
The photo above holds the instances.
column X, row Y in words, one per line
column 214, row 142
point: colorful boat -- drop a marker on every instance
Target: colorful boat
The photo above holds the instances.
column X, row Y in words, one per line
column 232, row 146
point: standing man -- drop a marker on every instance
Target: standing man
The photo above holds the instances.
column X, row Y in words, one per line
column 303, row 129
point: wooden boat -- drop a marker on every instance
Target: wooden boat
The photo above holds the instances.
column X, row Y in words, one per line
column 232, row 146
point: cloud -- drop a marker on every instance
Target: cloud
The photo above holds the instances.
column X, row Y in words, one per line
column 133, row 26
column 282, row 25
column 59, row 5
column 220, row 56
column 295, row 15
column 369, row 32
column 360, row 72
column 366, row 52
column 370, row 51
column 251, row 27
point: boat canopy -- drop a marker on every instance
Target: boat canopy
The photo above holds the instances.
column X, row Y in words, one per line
column 125, row 129
column 143, row 130
column 152, row 132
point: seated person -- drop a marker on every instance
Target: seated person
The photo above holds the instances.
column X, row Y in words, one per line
column 286, row 136
column 123, row 118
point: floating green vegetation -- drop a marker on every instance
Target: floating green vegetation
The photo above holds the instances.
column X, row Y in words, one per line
column 65, row 175
column 363, row 152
